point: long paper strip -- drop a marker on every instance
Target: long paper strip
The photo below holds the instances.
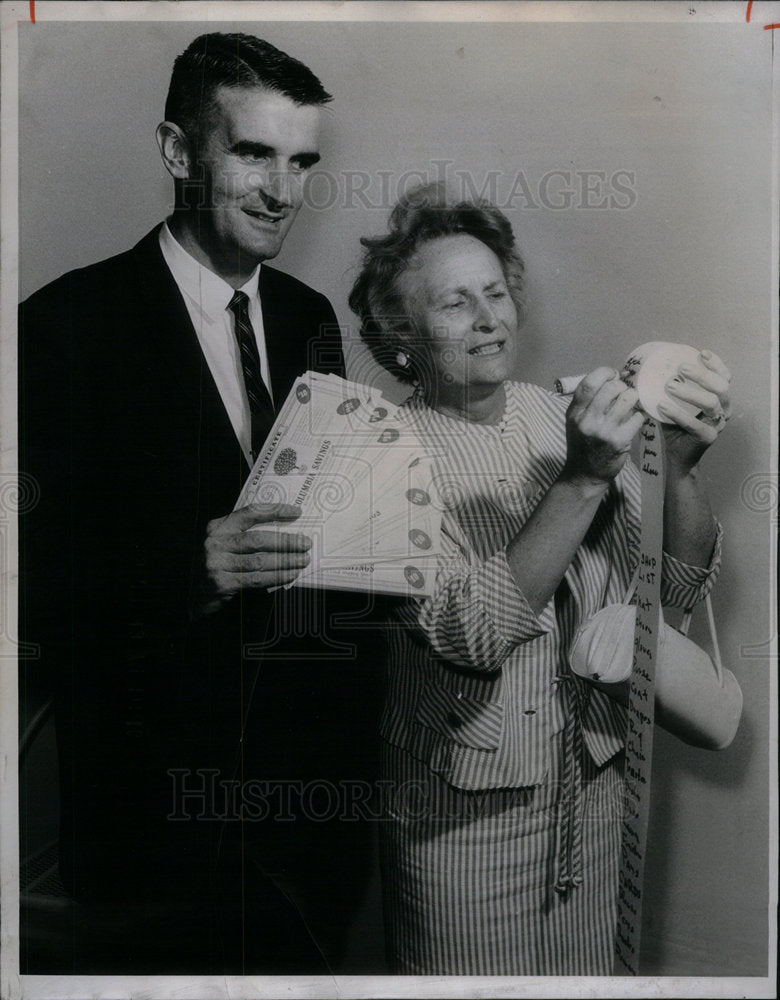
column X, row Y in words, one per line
column 641, row 708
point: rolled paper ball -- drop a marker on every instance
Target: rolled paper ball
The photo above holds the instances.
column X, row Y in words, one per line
column 650, row 367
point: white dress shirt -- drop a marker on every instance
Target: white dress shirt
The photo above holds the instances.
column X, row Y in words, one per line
column 207, row 297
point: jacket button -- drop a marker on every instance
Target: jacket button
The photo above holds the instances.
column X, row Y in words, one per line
column 530, row 711
column 459, row 695
column 454, row 720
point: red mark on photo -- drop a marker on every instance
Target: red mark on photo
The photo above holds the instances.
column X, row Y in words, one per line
column 767, row 27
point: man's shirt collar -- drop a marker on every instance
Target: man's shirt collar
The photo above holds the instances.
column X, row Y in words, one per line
column 210, row 293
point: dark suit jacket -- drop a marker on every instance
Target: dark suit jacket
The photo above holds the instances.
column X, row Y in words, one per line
column 124, row 432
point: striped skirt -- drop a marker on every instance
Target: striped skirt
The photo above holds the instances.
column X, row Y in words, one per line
column 469, row 876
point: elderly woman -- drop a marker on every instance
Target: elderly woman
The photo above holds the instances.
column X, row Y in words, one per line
column 501, row 845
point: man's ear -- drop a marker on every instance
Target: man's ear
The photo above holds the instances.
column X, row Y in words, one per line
column 174, row 150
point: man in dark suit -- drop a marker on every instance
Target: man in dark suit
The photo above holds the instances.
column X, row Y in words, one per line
column 147, row 384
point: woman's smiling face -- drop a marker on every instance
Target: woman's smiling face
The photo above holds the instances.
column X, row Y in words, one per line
column 456, row 291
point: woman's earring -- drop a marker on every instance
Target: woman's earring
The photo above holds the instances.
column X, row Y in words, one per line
column 402, row 359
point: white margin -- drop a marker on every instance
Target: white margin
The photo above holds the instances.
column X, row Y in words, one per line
column 16, row 987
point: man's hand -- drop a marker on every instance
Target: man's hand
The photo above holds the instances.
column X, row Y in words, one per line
column 601, row 422
column 240, row 555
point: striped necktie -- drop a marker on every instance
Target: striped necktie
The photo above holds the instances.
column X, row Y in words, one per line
column 260, row 405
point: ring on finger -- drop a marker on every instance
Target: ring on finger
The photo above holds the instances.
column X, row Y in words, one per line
column 714, row 421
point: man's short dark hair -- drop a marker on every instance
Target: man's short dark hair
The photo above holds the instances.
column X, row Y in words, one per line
column 233, row 60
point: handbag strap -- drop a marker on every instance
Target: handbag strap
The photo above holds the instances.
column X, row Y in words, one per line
column 685, row 625
column 632, row 586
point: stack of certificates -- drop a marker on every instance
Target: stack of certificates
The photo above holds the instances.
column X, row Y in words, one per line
column 364, row 485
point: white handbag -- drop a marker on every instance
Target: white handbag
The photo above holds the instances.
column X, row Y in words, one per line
column 695, row 698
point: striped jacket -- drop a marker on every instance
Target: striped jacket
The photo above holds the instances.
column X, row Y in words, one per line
column 474, row 675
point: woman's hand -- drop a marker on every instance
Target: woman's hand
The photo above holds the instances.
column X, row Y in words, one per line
column 601, row 423
column 705, row 385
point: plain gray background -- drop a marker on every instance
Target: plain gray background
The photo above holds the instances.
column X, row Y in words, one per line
column 686, row 110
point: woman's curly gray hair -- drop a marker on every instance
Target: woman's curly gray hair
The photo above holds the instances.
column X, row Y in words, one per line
column 426, row 213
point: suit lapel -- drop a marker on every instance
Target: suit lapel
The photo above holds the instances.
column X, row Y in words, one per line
column 281, row 343
column 176, row 341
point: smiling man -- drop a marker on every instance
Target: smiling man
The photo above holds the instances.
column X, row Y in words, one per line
column 148, row 383
column 251, row 151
